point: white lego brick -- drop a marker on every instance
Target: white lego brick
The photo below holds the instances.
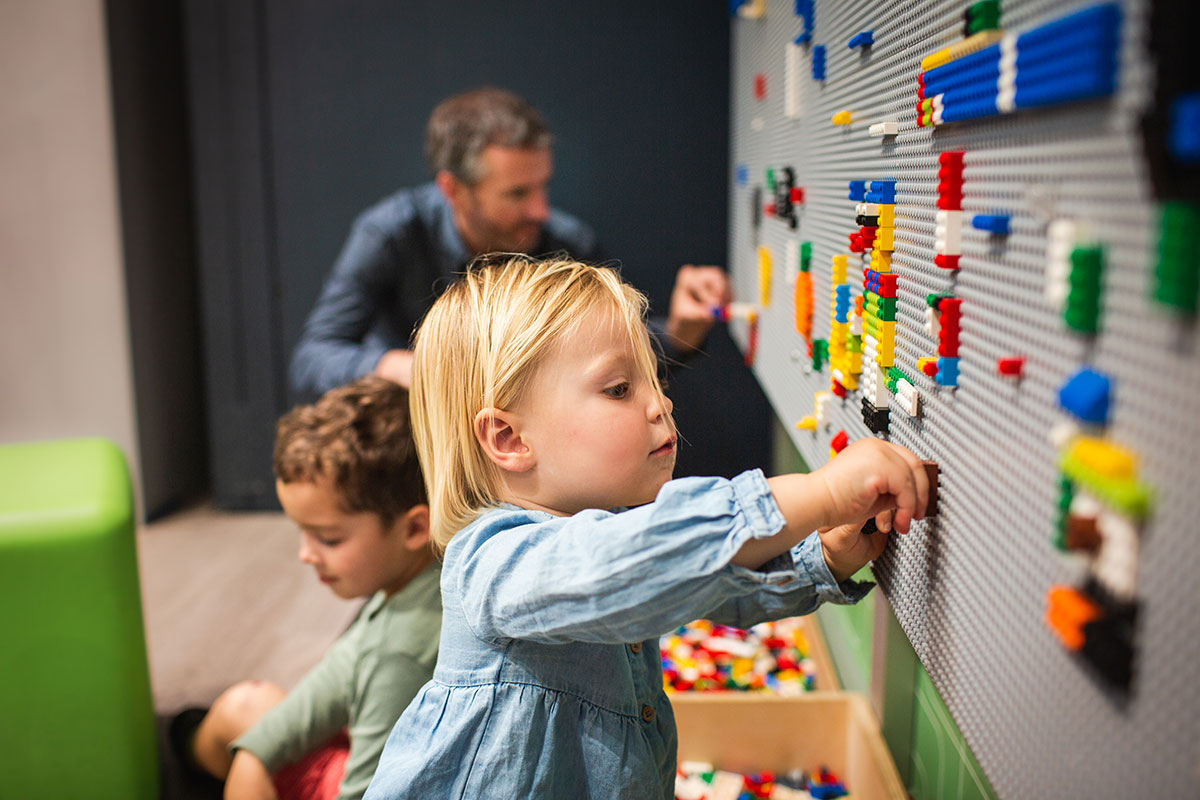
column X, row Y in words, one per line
column 880, row 129
column 791, row 261
column 1116, row 565
column 932, row 323
column 793, row 81
column 821, row 407
column 855, row 324
column 1062, row 434
column 937, row 116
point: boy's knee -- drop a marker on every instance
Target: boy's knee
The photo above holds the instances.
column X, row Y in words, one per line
column 244, row 703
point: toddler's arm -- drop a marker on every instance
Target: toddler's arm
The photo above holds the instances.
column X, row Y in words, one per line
column 870, row 478
column 609, row 578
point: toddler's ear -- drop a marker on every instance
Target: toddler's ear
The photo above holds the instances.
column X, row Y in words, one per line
column 498, row 434
column 416, row 527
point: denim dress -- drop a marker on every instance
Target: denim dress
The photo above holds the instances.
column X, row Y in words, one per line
column 549, row 679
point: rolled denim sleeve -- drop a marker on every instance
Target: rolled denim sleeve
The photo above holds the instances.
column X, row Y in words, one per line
column 618, row 577
column 331, row 350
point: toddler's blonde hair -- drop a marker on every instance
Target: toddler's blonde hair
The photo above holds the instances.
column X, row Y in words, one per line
column 480, row 346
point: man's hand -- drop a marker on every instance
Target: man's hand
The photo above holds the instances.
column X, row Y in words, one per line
column 396, row 366
column 248, row 779
column 697, row 290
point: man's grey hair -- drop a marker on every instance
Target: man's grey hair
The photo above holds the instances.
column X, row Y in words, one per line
column 462, row 126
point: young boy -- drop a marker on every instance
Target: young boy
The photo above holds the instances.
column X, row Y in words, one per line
column 347, row 474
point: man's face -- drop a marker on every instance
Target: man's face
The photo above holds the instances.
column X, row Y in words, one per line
column 506, row 208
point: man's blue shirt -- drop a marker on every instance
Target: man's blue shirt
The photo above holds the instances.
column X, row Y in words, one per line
column 401, row 253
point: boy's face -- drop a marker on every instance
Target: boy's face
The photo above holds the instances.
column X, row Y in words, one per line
column 354, row 553
column 600, row 432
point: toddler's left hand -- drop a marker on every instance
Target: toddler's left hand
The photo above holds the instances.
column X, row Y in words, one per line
column 847, row 549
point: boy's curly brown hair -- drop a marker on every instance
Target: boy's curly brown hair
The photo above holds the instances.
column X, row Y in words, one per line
column 358, row 436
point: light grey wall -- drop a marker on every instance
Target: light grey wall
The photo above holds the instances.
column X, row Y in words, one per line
column 65, row 366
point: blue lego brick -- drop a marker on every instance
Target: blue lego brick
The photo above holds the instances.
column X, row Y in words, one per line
column 743, row 174
column 992, row 223
column 1183, row 139
column 818, row 62
column 1099, row 19
column 803, row 37
column 858, row 191
column 863, row 39
column 983, row 74
column 947, row 374
column 842, row 302
column 974, row 109
column 882, row 192
column 1087, row 395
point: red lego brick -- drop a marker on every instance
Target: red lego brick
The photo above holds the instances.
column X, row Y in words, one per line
column 946, row 262
column 797, row 195
column 930, row 369
column 950, row 157
column 931, row 472
column 760, row 86
column 837, row 388
column 1011, row 366
column 839, row 441
column 950, row 202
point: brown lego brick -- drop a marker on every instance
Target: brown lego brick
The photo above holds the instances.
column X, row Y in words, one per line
column 931, row 472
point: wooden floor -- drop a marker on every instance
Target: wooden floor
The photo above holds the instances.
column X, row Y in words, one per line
column 225, row 599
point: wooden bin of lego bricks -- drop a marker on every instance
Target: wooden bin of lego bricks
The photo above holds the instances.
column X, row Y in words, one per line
column 751, row 732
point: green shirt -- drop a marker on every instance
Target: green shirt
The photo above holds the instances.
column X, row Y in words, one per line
column 362, row 684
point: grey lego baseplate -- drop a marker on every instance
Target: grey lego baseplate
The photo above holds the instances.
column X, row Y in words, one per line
column 972, row 587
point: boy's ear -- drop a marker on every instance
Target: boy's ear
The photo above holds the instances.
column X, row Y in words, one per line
column 415, row 524
column 498, row 434
column 450, row 186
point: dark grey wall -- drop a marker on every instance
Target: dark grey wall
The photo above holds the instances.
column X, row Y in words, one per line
column 307, row 112
column 154, row 173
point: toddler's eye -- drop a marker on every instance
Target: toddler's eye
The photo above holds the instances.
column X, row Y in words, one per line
column 619, row 391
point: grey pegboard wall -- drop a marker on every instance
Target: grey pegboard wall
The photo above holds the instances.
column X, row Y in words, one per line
column 972, row 589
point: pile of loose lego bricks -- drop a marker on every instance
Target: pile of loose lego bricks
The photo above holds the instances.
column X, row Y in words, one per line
column 770, row 657
column 700, row 781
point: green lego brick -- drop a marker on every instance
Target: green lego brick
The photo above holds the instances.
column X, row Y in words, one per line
column 805, row 256
column 1128, row 495
column 770, row 179
column 1082, row 311
column 1177, row 273
column 820, row 354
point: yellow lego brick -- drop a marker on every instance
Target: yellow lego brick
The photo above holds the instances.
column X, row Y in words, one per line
column 965, row 47
column 881, row 260
column 839, row 269
column 887, row 216
column 807, row 423
column 1104, row 457
column 849, row 380
column 841, row 118
column 884, row 239
column 885, row 358
column 935, row 59
column 764, row 276
column 921, row 362
column 887, row 332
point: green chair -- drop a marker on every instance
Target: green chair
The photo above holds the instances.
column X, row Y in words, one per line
column 76, row 715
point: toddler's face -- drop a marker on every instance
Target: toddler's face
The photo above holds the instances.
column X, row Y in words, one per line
column 354, row 554
column 600, row 432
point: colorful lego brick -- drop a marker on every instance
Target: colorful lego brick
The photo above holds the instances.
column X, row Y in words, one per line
column 803, row 302
column 1177, row 271
column 839, row 441
column 764, row 276
column 1104, row 458
column 1082, row 311
column 881, row 260
column 818, row 62
column 928, row 365
column 1115, row 565
column 760, row 86
column 752, row 9
column 884, row 239
column 858, row 191
column 842, row 118
column 881, row 129
column 981, row 16
column 751, row 342
column 1183, row 138
column 1087, row 394
column 1126, row 495
column 743, row 175
column 1067, row 611
column 862, row 39
column 822, row 405
column 836, row 387
column 875, row 417
column 1010, row 366
column 967, row 46
column 840, row 263
column 882, row 192
column 996, row 224
column 948, row 233
column 907, row 398
column 1060, row 241
column 820, row 354
column 805, row 256
column 946, row 261
column 947, row 374
column 1082, row 534
column 807, row 423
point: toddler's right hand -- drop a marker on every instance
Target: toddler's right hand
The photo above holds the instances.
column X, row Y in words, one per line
column 869, row 479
